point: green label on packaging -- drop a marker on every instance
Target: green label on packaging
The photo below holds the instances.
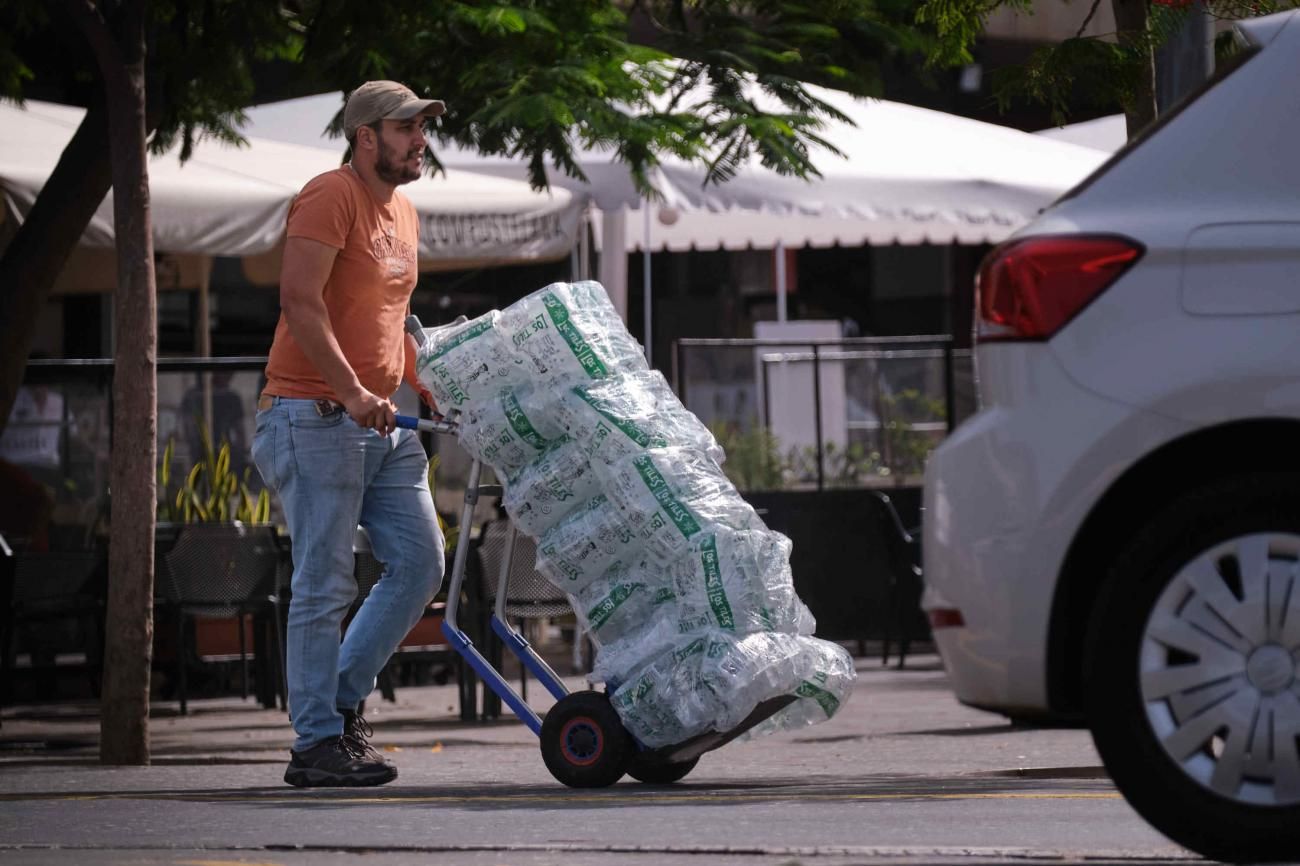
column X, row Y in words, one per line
column 519, row 421
column 443, row 372
column 713, row 584
column 630, row 697
column 695, row 647
column 827, row 701
column 629, row 428
column 678, row 513
column 586, row 356
column 604, row 609
column 462, row 338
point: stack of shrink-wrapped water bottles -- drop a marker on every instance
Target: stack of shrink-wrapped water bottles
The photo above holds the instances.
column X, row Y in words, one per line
column 687, row 595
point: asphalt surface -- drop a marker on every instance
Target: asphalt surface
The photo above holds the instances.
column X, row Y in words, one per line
column 903, row 774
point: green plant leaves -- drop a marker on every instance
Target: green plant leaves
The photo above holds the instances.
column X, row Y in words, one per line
column 211, row 492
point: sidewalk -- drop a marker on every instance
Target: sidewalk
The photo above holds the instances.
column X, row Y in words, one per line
column 897, row 721
column 902, row 774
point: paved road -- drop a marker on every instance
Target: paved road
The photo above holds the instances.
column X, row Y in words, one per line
column 904, row 774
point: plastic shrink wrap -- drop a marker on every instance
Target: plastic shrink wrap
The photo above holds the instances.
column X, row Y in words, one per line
column 687, row 594
column 652, row 505
column 729, row 580
column 715, row 680
column 501, row 430
column 469, row 362
column 568, row 333
column 560, row 480
column 621, row 417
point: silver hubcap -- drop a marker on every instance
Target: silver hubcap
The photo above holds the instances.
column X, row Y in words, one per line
column 1220, row 680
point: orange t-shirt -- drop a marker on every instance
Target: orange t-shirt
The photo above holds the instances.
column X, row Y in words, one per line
column 367, row 292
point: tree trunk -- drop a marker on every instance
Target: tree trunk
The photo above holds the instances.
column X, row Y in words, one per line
column 1131, row 27
column 36, row 255
column 124, row 720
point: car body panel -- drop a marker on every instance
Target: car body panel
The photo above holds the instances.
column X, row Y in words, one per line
column 1004, row 496
column 1201, row 331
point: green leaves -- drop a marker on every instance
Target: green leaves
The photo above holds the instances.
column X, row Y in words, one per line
column 450, row 534
column 536, row 79
column 1077, row 69
column 956, row 24
column 210, row 492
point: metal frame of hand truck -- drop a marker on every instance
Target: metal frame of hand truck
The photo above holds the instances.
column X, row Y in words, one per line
column 519, row 645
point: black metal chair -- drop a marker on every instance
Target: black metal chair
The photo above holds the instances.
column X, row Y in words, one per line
column 528, row 595
column 219, row 571
column 905, row 583
column 43, row 588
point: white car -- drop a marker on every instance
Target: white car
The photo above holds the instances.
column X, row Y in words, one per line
column 1115, row 536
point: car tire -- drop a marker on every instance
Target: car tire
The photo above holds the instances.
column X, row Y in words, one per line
column 1192, row 689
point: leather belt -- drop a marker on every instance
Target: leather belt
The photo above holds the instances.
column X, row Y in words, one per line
column 324, row 407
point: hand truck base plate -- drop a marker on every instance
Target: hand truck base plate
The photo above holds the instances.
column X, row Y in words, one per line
column 710, row 740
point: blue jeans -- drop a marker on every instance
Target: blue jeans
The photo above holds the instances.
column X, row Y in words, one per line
column 331, row 476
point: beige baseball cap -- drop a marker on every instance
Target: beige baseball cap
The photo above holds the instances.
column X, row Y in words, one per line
column 385, row 100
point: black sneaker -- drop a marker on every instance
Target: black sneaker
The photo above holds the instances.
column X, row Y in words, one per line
column 337, row 763
column 358, row 732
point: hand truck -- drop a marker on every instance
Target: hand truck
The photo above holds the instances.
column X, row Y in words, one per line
column 583, row 741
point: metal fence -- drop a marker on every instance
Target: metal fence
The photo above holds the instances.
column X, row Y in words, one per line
column 799, row 414
column 60, row 431
column 790, row 414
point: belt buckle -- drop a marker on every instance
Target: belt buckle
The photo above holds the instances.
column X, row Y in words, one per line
column 327, row 408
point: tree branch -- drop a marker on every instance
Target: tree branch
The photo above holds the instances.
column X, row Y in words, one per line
column 94, row 28
column 1088, row 20
column 36, row 255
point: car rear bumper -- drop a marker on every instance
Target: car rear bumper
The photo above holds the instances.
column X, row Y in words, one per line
column 1005, row 495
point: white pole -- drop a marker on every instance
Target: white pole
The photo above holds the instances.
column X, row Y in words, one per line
column 584, row 245
column 613, row 257
column 203, row 339
column 780, row 281
column 645, row 208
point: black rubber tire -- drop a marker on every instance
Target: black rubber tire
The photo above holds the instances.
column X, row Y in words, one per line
column 645, row 768
column 1153, row 783
column 584, row 743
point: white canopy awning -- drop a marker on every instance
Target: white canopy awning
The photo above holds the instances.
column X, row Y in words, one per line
column 1108, row 133
column 908, row 175
column 230, row 201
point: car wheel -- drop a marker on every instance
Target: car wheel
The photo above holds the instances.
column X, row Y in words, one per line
column 1192, row 687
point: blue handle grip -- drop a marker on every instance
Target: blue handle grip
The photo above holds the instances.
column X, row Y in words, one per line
column 437, row 424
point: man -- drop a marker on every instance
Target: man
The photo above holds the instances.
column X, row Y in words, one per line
column 326, row 441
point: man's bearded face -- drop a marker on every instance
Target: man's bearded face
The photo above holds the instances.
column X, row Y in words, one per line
column 400, row 157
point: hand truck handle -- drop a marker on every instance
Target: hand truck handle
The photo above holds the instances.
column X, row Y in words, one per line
column 437, row 425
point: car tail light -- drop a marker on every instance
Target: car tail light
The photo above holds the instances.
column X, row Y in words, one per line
column 1031, row 288
column 945, row 617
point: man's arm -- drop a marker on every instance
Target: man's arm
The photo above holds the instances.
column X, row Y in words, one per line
column 305, row 268
column 412, row 378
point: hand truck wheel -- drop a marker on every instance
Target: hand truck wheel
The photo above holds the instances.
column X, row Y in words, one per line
column 648, row 768
column 584, row 743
